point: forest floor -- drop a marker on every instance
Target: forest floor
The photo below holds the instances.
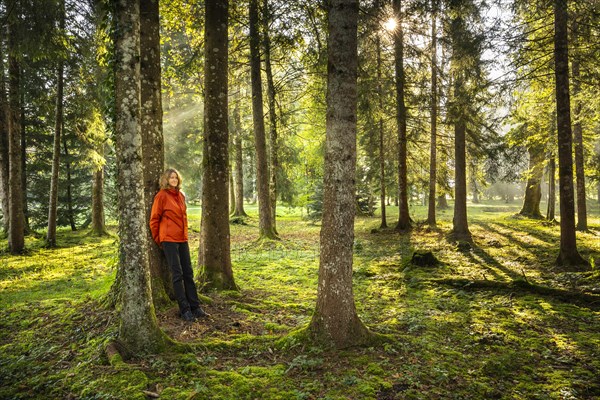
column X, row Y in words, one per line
column 495, row 320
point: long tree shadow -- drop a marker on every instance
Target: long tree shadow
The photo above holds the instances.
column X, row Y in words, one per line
column 512, row 239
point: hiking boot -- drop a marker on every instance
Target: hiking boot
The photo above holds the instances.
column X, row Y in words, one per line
column 188, row 316
column 200, row 313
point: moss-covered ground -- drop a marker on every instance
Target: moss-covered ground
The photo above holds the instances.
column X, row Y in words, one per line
column 494, row 320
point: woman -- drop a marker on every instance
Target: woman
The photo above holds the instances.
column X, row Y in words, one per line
column 168, row 223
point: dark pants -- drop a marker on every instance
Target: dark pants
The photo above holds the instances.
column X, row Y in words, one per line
column 178, row 258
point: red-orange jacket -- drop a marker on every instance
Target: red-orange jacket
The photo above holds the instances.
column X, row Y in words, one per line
column 168, row 219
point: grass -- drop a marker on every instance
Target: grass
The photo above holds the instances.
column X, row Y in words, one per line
column 481, row 325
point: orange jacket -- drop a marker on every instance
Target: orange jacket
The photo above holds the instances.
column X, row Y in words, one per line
column 168, row 219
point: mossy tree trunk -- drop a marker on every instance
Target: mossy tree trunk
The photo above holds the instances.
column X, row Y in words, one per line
column 533, row 190
column 266, row 227
column 215, row 258
column 16, row 230
column 153, row 153
column 403, row 216
column 335, row 320
column 568, row 256
column 138, row 325
column 58, row 125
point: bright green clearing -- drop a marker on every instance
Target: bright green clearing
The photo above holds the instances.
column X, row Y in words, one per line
column 494, row 321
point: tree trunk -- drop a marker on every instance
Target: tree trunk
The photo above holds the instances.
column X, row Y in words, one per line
column 266, row 228
column 335, row 320
column 238, row 175
column 98, row 221
column 533, row 191
column 431, row 218
column 215, row 257
column 442, row 202
column 381, row 132
column 273, row 137
column 16, row 231
column 404, row 217
column 578, row 141
column 153, row 148
column 551, row 189
column 231, row 191
column 58, row 124
column 460, row 225
column 4, row 137
column 70, row 212
column 138, row 325
column 568, row 255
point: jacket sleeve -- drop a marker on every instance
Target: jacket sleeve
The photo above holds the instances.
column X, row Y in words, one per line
column 155, row 216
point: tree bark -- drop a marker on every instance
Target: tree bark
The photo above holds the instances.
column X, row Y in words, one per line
column 98, row 220
column 238, row 175
column 58, row 124
column 266, row 228
column 578, row 140
column 153, row 153
column 335, row 320
column 551, row 189
column 403, row 217
column 70, row 212
column 215, row 257
column 533, row 191
column 4, row 138
column 16, row 231
column 381, row 132
column 431, row 217
column 273, row 137
column 231, row 201
column 460, row 225
column 138, row 325
column 568, row 256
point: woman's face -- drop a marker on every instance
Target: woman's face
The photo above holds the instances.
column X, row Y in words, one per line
column 173, row 180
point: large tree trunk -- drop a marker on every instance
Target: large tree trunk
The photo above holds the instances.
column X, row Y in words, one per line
column 460, row 225
column 153, row 153
column 578, row 141
column 238, row 175
column 266, row 227
column 551, row 209
column 568, row 255
column 404, row 217
column 533, row 191
column 4, row 137
column 274, row 161
column 431, row 220
column 58, row 124
column 16, row 231
column 215, row 256
column 138, row 325
column 335, row 319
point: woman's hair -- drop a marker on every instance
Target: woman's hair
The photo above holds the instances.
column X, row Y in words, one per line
column 163, row 182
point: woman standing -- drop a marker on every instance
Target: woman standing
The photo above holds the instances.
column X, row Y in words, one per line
column 168, row 223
